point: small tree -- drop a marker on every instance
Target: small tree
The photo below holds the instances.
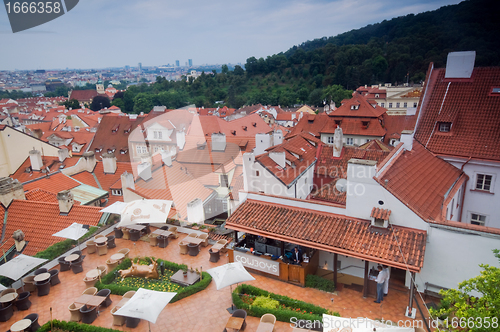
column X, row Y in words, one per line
column 99, row 102
column 467, row 312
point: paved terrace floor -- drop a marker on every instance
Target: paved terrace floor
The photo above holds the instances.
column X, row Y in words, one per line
column 206, row 310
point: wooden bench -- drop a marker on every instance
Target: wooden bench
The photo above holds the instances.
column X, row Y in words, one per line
column 433, row 290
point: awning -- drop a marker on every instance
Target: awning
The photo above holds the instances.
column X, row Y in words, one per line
column 396, row 246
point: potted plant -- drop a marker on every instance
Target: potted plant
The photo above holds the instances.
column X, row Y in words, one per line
column 184, row 271
column 194, row 226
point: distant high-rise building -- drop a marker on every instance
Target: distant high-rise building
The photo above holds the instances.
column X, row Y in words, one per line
column 177, row 63
column 190, row 62
column 140, row 66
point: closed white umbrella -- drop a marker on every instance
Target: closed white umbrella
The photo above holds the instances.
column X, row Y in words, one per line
column 145, row 211
column 19, row 266
column 229, row 274
column 146, row 304
column 73, row 232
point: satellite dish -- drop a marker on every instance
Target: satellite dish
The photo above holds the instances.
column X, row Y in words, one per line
column 341, row 185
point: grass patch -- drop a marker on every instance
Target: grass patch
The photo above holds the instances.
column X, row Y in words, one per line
column 314, row 281
column 58, row 325
column 114, row 283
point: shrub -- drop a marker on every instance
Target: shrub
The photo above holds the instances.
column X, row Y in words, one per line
column 73, row 326
column 59, row 248
column 314, row 281
column 107, row 281
column 293, row 308
column 266, row 302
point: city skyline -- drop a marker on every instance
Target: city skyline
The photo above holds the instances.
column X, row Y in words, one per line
column 99, row 35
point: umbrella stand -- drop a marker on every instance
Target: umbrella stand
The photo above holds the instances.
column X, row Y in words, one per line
column 231, row 309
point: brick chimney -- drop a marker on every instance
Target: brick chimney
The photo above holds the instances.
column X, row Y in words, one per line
column 90, row 161
column 65, row 199
column 10, row 189
column 109, row 163
column 36, row 160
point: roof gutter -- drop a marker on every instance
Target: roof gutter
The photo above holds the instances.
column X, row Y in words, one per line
column 322, row 247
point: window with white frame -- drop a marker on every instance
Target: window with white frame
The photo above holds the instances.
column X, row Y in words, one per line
column 405, row 105
column 116, row 192
column 390, row 105
column 382, row 104
column 397, row 105
column 330, row 139
column 477, row 219
column 138, row 149
column 349, row 141
column 483, row 182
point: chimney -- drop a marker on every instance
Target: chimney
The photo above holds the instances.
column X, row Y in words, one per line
column 278, row 158
column 10, row 189
column 277, row 137
column 337, row 142
column 63, row 154
column 127, row 181
column 180, row 138
column 166, row 158
column 195, row 213
column 218, row 142
column 90, row 161
column 407, row 139
column 144, row 171
column 36, row 160
column 109, row 163
column 18, row 237
column 65, row 199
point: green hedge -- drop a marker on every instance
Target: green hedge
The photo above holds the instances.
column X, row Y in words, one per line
column 106, row 281
column 314, row 281
column 74, row 327
column 59, row 248
column 313, row 312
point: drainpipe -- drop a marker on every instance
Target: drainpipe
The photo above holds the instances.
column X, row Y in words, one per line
column 465, row 188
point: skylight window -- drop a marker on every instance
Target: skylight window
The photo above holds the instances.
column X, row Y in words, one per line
column 444, row 127
column 495, row 91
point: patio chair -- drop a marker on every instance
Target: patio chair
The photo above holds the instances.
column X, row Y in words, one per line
column 76, row 266
column 91, row 247
column 7, row 291
column 117, row 320
column 98, row 236
column 162, row 241
column 183, row 248
column 89, row 282
column 111, row 264
column 174, row 234
column 40, row 271
column 6, row 313
column 102, row 249
column 54, row 277
column 34, row 322
column 43, row 287
column 111, row 242
column 23, row 302
column 90, row 291
column 126, row 234
column 118, row 233
column 240, row 313
column 129, row 294
column 124, row 251
column 29, row 283
column 193, row 235
column 146, row 230
column 214, row 255
column 76, row 315
column 132, row 322
column 164, row 228
column 89, row 314
column 106, row 293
column 193, row 249
column 204, row 236
column 153, row 239
column 268, row 318
column 135, row 235
column 63, row 265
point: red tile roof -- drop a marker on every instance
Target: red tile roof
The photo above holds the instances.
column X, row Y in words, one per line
column 380, row 213
column 376, row 145
column 83, row 95
column 39, row 220
column 332, row 232
column 365, row 110
column 52, row 163
column 41, row 195
column 421, row 181
column 472, row 109
column 329, row 193
column 395, row 124
column 53, row 183
column 355, row 126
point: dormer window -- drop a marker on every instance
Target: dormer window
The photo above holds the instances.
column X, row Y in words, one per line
column 365, row 124
column 377, row 95
column 338, row 122
column 445, row 127
column 380, row 217
column 354, row 107
column 495, row 91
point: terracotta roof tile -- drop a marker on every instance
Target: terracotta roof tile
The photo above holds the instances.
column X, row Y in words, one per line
column 332, row 232
column 364, row 110
column 380, row 213
column 53, row 183
column 52, row 163
column 329, row 193
column 472, row 109
column 39, row 220
column 83, row 95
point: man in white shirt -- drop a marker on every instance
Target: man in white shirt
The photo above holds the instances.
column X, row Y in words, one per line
column 387, row 272
column 380, row 284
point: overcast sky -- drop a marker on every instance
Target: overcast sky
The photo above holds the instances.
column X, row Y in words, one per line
column 115, row 33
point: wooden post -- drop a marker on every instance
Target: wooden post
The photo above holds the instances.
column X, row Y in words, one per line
column 282, row 247
column 365, row 285
column 335, row 262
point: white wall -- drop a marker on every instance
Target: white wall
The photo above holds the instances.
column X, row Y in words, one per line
column 357, row 139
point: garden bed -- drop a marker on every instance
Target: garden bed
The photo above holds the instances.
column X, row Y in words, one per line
column 114, row 282
column 257, row 302
column 58, row 325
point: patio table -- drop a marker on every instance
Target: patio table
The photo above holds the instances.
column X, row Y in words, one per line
column 90, row 300
column 42, row 277
column 20, row 325
column 117, row 257
column 265, row 327
column 178, row 278
column 94, row 273
column 136, row 227
column 71, row 258
column 83, row 299
column 193, row 240
column 7, row 298
column 234, row 323
column 101, row 240
column 163, row 232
